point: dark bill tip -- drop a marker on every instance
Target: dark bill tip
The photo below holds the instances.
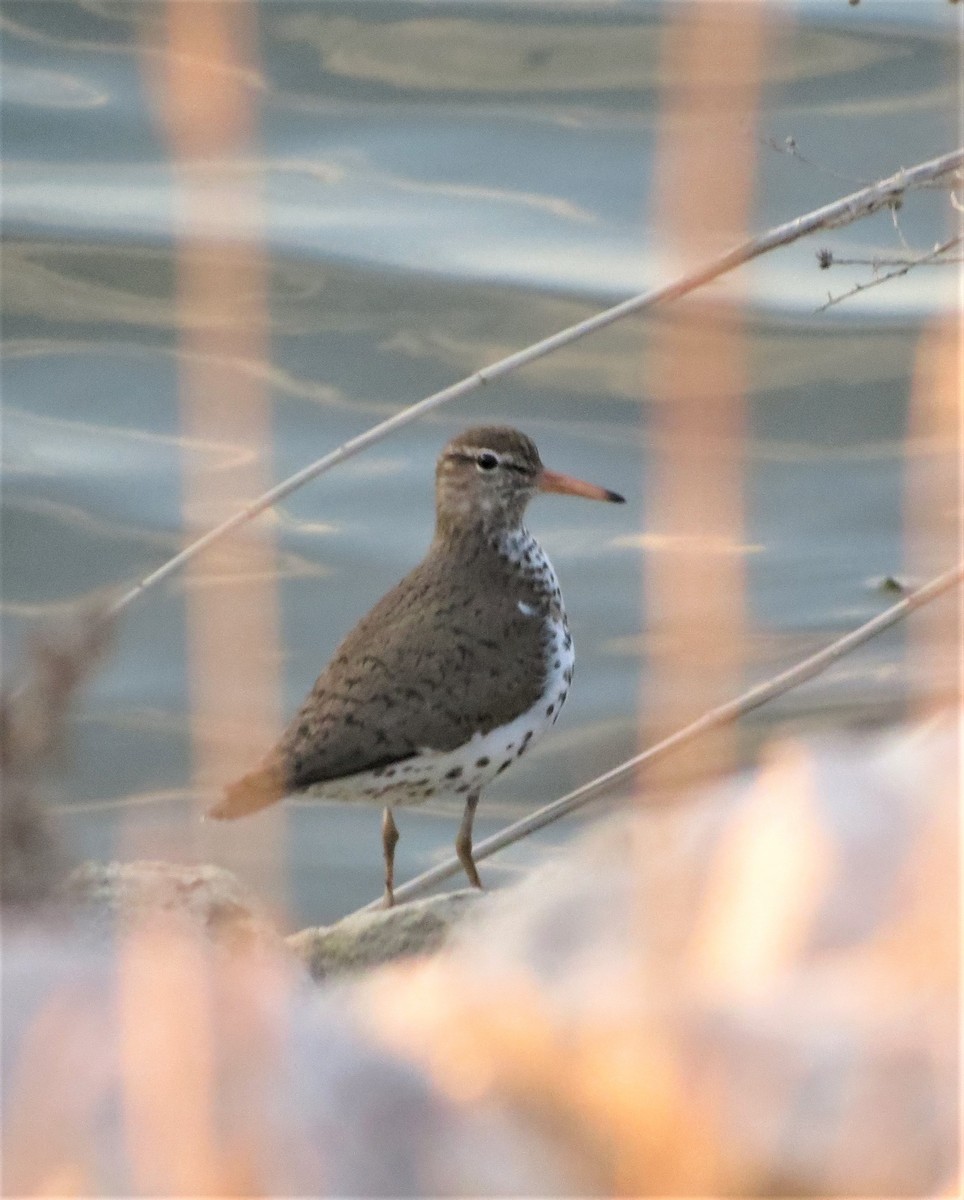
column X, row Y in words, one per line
column 566, row 485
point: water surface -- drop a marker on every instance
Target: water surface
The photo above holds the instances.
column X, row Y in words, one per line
column 443, row 184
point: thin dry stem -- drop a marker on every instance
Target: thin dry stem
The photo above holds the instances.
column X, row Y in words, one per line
column 877, row 263
column 725, row 714
column 788, row 146
column 935, row 171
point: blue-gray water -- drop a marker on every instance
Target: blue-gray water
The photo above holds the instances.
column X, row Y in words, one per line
column 444, row 183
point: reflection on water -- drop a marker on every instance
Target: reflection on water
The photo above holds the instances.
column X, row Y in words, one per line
column 442, row 186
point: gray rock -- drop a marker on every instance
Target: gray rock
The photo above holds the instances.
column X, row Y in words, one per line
column 209, row 897
column 366, row 940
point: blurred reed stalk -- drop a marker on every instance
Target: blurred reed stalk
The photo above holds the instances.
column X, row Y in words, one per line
column 168, row 1014
column 934, row 529
column 207, row 112
column 695, row 378
column 167, row 1064
column 934, row 511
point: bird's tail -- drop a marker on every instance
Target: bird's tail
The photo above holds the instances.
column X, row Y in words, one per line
column 254, row 791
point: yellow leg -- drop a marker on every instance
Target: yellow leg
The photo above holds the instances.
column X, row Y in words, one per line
column 389, row 842
column 463, row 840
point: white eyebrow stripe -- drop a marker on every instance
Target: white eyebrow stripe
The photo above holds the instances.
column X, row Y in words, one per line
column 526, row 609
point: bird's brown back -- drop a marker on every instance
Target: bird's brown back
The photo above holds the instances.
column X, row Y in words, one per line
column 445, row 654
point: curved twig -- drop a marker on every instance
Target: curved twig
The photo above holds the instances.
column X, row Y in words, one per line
column 831, row 216
column 725, row 714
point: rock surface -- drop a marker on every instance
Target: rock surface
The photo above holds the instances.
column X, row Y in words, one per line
column 210, row 898
column 215, row 902
column 369, row 939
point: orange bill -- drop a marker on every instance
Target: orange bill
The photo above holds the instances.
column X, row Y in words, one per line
column 552, row 481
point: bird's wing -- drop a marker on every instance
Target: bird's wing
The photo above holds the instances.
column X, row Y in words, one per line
column 426, row 669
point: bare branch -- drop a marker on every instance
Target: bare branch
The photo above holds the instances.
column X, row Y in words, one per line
column 830, row 216
column 921, row 260
column 725, row 714
column 827, row 258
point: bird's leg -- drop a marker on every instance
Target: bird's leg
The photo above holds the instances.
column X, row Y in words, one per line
column 389, row 842
column 463, row 840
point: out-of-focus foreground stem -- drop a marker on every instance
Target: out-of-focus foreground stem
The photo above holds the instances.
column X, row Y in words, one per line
column 209, row 117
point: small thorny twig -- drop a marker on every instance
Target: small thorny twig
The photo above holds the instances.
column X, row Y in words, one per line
column 788, row 146
column 931, row 257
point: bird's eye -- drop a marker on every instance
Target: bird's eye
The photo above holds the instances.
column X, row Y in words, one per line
column 487, row 461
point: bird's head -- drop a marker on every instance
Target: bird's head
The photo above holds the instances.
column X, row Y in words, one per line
column 486, row 476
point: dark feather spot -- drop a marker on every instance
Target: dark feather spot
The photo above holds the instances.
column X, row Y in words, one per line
column 550, row 710
column 507, row 763
column 454, row 773
column 482, row 762
column 463, row 788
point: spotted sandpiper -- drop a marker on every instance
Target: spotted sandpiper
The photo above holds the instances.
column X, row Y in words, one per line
column 455, row 673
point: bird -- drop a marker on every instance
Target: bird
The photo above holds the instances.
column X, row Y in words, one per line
column 455, row 673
